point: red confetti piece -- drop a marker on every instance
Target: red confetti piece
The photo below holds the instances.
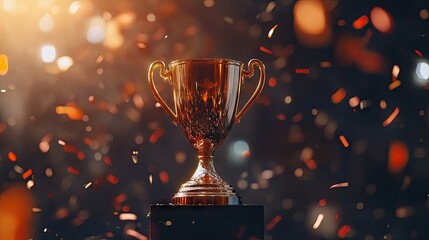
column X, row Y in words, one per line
column 2, row 127
column 11, row 156
column 163, row 176
column 394, row 85
column 391, row 117
column 344, row 184
column 88, row 141
column 322, row 202
column 109, row 234
column 418, row 53
column 70, row 148
column 302, row 70
column 281, row 117
column 360, row 22
column 156, row 135
column 265, row 50
column 107, row 160
column 27, row 173
column 126, row 208
column 272, row 82
column 336, row 217
column 342, row 232
column 344, row 141
column 112, row 179
column 121, row 198
column 311, row 164
column 270, row 226
column 73, row 170
column 80, row 155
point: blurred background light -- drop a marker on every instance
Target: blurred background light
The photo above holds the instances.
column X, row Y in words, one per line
column 96, row 30
column 48, row 53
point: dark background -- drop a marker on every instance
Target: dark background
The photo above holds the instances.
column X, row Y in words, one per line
column 134, row 156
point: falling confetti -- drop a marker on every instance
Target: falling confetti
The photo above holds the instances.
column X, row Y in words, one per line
column 318, row 221
column 391, row 117
column 360, row 22
column 273, row 223
column 270, row 33
column 339, row 185
column 265, row 50
column 344, row 141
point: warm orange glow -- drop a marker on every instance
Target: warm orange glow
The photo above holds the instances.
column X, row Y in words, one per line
column 27, row 174
column 73, row 170
column 398, row 157
column 302, row 70
column 360, row 22
column 381, row 20
column 338, row 96
column 310, row 17
column 163, row 176
column 342, row 232
column 394, row 84
column 270, row 226
column 4, row 65
column 272, row 82
column 16, row 213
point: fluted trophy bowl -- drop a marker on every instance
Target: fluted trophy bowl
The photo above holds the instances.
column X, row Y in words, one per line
column 206, row 95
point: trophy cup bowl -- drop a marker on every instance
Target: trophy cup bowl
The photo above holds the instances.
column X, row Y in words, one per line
column 206, row 94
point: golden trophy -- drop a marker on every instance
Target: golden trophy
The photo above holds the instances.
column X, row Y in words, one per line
column 206, row 95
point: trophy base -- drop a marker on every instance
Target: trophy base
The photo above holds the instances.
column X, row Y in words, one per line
column 207, row 222
column 194, row 193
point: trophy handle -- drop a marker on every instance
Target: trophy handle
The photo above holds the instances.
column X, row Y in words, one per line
column 166, row 75
column 248, row 74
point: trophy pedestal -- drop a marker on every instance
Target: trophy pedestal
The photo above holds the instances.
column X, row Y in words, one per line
column 207, row 222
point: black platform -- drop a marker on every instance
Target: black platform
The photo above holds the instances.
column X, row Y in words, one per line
column 192, row 222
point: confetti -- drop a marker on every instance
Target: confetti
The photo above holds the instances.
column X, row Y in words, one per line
column 127, row 217
column 398, row 157
column 318, row 221
column 338, row 96
column 344, row 141
column 156, row 135
column 302, row 70
column 4, row 64
column 73, row 170
column 11, row 156
column 265, row 50
column 134, row 233
column 87, row 185
column 270, row 33
column 27, row 174
column 163, row 176
column 343, row 231
column 360, row 22
column 391, row 117
column 112, row 179
column 394, row 85
column 338, row 185
column 418, row 53
column 273, row 223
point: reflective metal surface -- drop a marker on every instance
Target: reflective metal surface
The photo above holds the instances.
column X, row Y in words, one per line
column 206, row 95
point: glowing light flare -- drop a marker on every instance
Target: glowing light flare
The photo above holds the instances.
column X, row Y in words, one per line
column 163, row 176
column 48, row 53
column 113, row 36
column 30, row 184
column 422, row 71
column 309, row 17
column 340, row 185
column 127, row 217
column 96, row 30
column 133, row 233
column 395, row 71
column 344, row 141
column 4, row 64
column 10, row 5
column 270, row 33
column 354, row 101
column 64, row 63
column 46, row 23
column 398, row 157
column 360, row 22
column 343, row 231
column 391, row 117
column 270, row 226
column 338, row 96
column 381, row 19
column 318, row 221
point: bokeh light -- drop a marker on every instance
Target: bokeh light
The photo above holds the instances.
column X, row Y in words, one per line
column 381, row 19
column 48, row 53
column 96, row 30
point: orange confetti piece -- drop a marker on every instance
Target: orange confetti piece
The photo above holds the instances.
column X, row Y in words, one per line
column 270, row 226
column 360, row 22
column 71, row 110
column 73, row 170
column 121, row 198
column 4, row 65
column 344, row 141
column 156, row 135
column 163, row 176
column 80, row 155
column 398, row 157
column 70, row 148
column 302, row 70
column 394, row 85
column 338, row 96
column 265, row 50
column 311, row 164
column 11, row 156
column 2, row 127
column 338, row 185
column 342, row 232
column 112, row 179
column 27, row 173
column 391, row 117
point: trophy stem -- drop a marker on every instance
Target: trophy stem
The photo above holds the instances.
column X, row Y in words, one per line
column 206, row 187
